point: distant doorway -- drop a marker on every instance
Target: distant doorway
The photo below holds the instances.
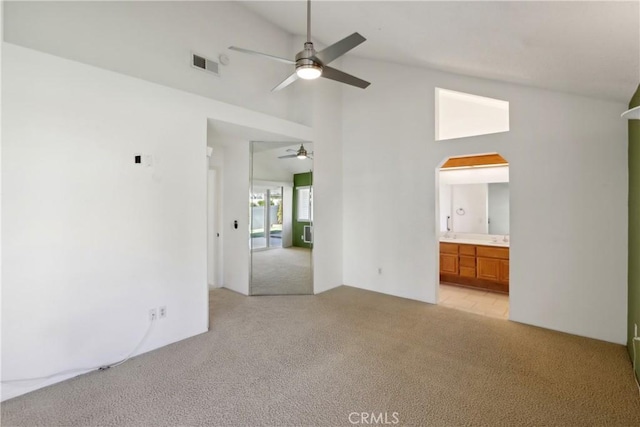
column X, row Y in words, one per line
column 281, row 214
column 266, row 217
column 473, row 234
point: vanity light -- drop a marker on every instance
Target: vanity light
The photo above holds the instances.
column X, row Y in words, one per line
column 632, row 114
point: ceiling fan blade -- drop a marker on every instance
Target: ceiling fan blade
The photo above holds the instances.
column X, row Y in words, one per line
column 342, row 77
column 292, row 150
column 290, row 156
column 286, row 82
column 266, row 55
column 338, row 49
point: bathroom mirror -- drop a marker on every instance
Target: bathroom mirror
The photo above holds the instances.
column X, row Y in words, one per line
column 498, row 207
column 479, row 208
column 281, row 218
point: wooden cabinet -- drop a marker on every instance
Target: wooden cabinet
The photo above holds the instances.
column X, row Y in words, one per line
column 485, row 267
column 467, row 250
column 489, row 269
column 492, row 252
column 448, row 258
column 449, row 248
column 467, row 264
column 448, row 263
column 504, row 271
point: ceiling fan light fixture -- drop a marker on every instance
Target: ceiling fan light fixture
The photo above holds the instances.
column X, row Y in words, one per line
column 309, row 71
column 302, row 153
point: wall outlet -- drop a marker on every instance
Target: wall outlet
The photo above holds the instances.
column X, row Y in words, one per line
column 153, row 314
column 163, row 311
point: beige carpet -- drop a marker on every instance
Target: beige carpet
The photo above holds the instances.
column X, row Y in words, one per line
column 313, row 360
column 282, row 271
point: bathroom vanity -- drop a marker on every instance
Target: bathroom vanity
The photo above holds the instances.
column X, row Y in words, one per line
column 483, row 266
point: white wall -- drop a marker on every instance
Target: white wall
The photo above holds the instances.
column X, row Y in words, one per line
column 469, row 208
column 154, row 40
column 91, row 241
column 235, row 207
column 212, row 228
column 474, row 175
column 327, row 186
column 216, row 163
column 568, row 182
column 267, row 168
column 445, row 208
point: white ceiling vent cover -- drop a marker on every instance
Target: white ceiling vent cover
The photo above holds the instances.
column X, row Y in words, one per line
column 204, row 64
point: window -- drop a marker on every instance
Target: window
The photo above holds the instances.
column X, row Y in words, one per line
column 460, row 115
column 304, row 205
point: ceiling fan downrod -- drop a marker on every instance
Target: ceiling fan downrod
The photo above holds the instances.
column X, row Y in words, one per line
column 306, row 67
column 308, row 21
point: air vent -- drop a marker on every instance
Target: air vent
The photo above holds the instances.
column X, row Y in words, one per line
column 204, row 64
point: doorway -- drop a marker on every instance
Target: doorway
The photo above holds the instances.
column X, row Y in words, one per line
column 281, row 218
column 266, row 217
column 473, row 238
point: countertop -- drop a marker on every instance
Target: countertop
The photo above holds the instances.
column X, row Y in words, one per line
column 479, row 242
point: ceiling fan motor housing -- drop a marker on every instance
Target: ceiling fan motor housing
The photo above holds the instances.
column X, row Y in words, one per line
column 304, row 58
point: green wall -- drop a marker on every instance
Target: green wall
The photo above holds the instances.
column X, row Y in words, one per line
column 634, row 228
column 299, row 180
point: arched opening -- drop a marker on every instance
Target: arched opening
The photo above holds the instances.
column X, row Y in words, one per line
column 472, row 231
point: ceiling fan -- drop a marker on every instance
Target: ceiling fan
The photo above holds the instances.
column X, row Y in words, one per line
column 310, row 64
column 300, row 153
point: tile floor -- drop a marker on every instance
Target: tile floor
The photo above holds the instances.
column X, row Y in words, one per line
column 476, row 301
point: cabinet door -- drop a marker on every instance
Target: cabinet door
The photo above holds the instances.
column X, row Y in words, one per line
column 488, row 268
column 504, row 270
column 448, row 263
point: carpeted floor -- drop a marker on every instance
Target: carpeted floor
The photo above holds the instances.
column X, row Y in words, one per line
column 314, row 360
column 282, row 271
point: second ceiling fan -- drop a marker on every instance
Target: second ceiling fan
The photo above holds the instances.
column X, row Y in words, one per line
column 301, row 153
column 310, row 64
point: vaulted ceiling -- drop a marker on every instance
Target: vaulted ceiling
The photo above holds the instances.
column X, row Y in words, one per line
column 583, row 47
